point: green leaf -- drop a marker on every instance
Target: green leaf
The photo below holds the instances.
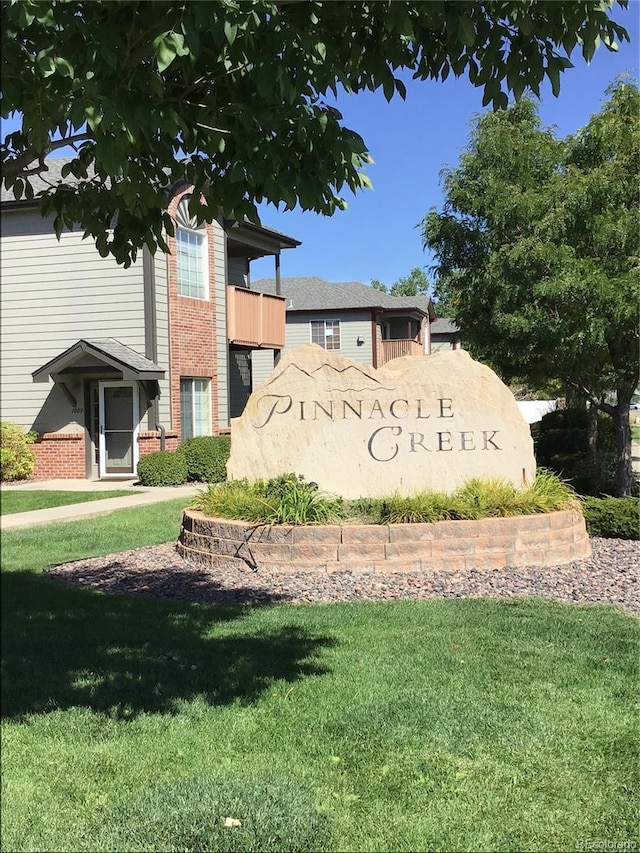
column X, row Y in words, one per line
column 230, row 31
column 64, row 68
column 466, row 31
column 165, row 51
column 45, row 63
column 553, row 74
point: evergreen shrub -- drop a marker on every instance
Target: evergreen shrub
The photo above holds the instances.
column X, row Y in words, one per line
column 561, row 445
column 612, row 518
column 164, row 468
column 207, row 457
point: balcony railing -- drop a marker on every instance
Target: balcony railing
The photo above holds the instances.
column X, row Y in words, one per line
column 398, row 348
column 255, row 319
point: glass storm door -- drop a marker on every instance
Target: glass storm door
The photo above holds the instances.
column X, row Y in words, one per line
column 119, row 422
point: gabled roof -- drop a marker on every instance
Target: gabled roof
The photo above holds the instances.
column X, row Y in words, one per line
column 47, row 180
column 107, row 350
column 444, row 326
column 315, row 294
column 40, row 183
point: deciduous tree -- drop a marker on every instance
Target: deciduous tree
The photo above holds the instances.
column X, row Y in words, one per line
column 537, row 252
column 414, row 284
column 240, row 90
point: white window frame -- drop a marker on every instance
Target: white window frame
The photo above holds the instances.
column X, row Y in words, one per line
column 201, row 236
column 194, row 420
column 327, row 335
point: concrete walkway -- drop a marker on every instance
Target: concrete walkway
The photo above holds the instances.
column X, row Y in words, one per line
column 140, row 496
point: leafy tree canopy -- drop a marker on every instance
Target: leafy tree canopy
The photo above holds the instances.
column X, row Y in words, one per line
column 537, row 252
column 239, row 89
column 414, row 284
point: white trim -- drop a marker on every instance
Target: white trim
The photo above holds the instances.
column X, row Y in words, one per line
column 204, row 262
column 326, row 335
column 207, row 392
column 135, row 454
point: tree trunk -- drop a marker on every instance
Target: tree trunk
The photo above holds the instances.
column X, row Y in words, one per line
column 592, row 433
column 623, row 444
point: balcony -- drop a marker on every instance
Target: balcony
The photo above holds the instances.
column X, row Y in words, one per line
column 397, row 348
column 255, row 319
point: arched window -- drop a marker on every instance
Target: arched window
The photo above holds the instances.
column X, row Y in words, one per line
column 191, row 254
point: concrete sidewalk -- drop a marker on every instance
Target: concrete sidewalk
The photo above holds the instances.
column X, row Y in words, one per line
column 140, row 496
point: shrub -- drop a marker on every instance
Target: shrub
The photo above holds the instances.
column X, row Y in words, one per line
column 612, row 518
column 561, row 445
column 424, row 507
column 291, row 500
column 164, row 468
column 207, row 457
column 17, row 459
column 233, row 499
column 286, row 499
column 266, row 814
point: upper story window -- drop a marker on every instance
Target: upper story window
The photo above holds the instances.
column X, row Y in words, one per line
column 326, row 333
column 191, row 255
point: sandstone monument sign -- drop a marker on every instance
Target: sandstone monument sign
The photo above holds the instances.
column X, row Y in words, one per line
column 418, row 423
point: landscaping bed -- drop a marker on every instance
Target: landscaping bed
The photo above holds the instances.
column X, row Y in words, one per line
column 544, row 539
column 608, row 576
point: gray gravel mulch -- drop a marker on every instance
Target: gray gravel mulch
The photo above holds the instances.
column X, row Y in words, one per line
column 610, row 576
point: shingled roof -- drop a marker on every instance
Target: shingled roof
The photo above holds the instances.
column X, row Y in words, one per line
column 315, row 294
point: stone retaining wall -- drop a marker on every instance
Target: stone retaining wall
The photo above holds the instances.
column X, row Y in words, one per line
column 529, row 540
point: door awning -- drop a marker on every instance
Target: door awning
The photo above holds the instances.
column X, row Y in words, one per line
column 115, row 357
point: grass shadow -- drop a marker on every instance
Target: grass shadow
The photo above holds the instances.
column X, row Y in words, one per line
column 67, row 647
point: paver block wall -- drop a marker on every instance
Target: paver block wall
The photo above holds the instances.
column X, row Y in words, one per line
column 541, row 540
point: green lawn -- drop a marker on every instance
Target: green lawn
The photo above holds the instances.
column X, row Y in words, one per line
column 439, row 725
column 24, row 501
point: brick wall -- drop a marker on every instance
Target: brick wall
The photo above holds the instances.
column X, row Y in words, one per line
column 192, row 331
column 60, row 456
column 149, row 442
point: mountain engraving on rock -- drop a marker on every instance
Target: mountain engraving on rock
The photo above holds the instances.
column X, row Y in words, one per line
column 417, row 423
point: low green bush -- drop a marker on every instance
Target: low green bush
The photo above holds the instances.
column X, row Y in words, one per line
column 17, row 459
column 207, row 457
column 225, row 814
column 288, row 499
column 164, row 468
column 612, row 518
column 561, row 446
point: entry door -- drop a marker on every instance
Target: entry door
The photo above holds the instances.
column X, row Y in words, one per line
column 119, row 423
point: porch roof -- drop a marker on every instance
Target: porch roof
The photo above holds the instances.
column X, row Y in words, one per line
column 110, row 352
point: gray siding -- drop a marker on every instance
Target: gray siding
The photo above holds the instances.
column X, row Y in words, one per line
column 53, row 294
column 162, row 327
column 222, row 348
column 237, row 272
column 353, row 325
column 261, row 366
column 439, row 344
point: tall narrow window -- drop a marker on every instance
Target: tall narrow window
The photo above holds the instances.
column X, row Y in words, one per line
column 191, row 263
column 195, row 408
column 326, row 333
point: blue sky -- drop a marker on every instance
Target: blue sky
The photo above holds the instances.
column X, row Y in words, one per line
column 410, row 142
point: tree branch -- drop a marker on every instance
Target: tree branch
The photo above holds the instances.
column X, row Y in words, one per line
column 581, row 388
column 20, row 166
